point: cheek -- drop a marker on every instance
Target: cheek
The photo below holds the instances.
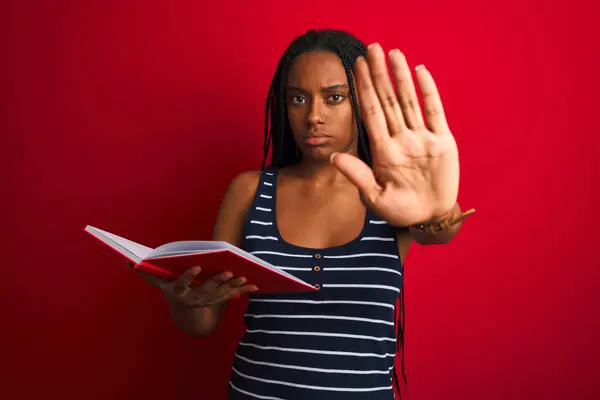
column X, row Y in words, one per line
column 345, row 116
column 296, row 116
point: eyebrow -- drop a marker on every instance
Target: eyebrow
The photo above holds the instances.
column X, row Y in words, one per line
column 323, row 89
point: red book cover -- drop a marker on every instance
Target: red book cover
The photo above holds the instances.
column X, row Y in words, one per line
column 171, row 259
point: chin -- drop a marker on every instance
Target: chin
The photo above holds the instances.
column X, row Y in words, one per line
column 317, row 153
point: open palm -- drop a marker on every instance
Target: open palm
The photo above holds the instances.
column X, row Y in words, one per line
column 414, row 176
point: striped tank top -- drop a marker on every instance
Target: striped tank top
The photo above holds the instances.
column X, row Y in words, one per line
column 338, row 342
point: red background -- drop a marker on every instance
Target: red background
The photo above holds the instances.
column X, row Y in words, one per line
column 134, row 116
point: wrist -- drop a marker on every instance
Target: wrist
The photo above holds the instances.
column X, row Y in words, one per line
column 439, row 216
column 444, row 215
column 444, row 221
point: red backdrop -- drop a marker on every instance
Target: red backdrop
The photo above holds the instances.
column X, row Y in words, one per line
column 134, row 116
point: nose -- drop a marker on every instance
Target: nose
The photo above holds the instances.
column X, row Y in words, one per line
column 315, row 113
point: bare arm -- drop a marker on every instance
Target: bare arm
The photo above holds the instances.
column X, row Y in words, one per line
column 201, row 321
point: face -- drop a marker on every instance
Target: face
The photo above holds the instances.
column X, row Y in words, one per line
column 319, row 106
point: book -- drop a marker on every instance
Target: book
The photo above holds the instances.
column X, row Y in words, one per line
column 171, row 259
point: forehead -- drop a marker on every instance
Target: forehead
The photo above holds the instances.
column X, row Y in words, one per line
column 316, row 69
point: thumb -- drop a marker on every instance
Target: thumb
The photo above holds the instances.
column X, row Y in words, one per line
column 359, row 173
column 183, row 282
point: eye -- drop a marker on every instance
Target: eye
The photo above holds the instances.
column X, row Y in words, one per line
column 297, row 100
column 336, row 98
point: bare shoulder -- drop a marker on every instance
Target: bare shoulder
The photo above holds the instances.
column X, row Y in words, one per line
column 245, row 183
column 234, row 207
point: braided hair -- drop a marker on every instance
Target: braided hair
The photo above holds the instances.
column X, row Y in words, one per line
column 278, row 134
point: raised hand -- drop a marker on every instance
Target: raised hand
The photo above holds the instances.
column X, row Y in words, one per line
column 414, row 177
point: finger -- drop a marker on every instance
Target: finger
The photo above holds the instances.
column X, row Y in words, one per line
column 212, row 284
column 359, row 173
column 227, row 286
column 153, row 280
column 234, row 293
column 409, row 102
column 182, row 283
column 131, row 264
column 233, row 283
column 369, row 105
column 148, row 278
column 432, row 102
column 385, row 91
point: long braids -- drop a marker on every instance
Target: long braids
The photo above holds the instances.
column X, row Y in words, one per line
column 278, row 134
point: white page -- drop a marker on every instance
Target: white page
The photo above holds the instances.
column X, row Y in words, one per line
column 260, row 261
column 186, row 247
column 202, row 246
column 132, row 249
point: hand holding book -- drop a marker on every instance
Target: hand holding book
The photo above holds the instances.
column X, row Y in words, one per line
column 220, row 288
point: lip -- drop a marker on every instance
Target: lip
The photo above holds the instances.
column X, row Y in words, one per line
column 316, row 139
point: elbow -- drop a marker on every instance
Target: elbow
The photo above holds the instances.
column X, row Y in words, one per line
column 196, row 332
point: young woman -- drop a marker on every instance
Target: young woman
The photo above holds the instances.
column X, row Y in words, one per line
column 356, row 174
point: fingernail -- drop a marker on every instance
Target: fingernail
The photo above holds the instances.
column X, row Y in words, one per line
column 254, row 288
column 196, row 270
column 393, row 52
column 419, row 67
column 372, row 45
column 332, row 156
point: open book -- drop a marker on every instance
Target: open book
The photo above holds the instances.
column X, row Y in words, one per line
column 171, row 259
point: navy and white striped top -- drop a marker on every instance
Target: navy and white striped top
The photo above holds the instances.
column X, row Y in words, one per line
column 335, row 343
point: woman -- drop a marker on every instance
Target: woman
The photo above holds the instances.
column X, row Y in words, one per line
column 356, row 175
